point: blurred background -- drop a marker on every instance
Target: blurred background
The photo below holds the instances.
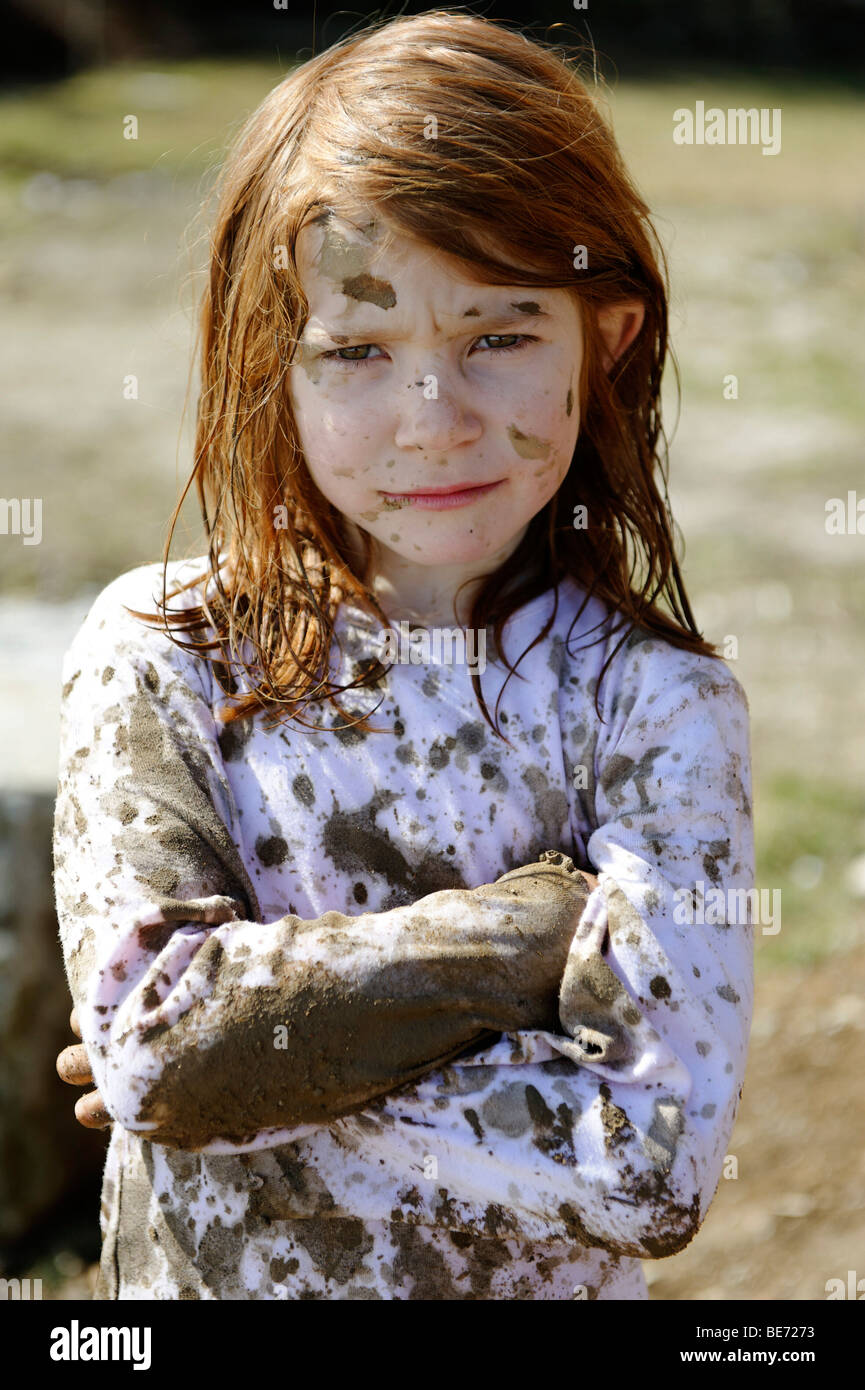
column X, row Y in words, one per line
column 102, row 250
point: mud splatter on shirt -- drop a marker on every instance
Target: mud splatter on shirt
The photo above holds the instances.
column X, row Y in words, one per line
column 361, row 1034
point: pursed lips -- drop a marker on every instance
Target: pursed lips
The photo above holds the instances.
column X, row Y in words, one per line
column 442, row 498
column 442, row 491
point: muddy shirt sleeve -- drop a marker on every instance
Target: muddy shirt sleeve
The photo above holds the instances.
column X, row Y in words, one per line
column 205, row 1026
column 611, row 1130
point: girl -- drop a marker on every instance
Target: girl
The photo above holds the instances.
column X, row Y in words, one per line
column 388, row 971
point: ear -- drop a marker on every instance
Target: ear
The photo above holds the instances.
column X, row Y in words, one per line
column 619, row 325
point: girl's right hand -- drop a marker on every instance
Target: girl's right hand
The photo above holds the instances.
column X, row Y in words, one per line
column 73, row 1067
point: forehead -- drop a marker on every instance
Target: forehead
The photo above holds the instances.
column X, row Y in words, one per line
column 333, row 247
column 363, row 259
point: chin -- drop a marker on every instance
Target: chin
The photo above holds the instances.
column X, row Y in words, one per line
column 465, row 551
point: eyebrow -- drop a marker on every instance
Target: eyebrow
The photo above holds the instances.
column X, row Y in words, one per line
column 526, row 309
column 495, row 318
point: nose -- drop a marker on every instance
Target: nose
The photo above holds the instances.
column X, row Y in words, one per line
column 433, row 413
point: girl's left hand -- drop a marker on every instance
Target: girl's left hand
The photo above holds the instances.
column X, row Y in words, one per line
column 73, row 1067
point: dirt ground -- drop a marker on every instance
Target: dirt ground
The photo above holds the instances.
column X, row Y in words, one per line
column 795, row 1215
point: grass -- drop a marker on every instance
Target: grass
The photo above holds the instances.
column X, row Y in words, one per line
column 820, row 821
column 186, row 113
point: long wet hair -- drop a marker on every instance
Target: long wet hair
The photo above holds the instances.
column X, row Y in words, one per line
column 455, row 128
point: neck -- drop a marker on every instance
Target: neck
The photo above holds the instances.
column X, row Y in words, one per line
column 425, row 596
column 431, row 595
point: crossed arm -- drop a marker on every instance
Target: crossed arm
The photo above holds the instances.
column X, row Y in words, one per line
column 364, row 1004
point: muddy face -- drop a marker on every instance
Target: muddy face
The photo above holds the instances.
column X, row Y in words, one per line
column 411, row 376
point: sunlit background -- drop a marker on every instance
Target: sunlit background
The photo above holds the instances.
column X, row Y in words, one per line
column 102, row 253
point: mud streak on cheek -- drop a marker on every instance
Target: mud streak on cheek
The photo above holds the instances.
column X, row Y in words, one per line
column 529, row 446
column 541, row 472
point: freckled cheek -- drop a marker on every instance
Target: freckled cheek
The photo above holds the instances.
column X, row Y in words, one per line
column 336, row 424
column 340, row 442
column 548, row 426
column 541, row 408
column 549, row 429
column 339, row 481
column 567, row 433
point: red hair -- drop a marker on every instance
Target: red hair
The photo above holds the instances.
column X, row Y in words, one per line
column 519, row 142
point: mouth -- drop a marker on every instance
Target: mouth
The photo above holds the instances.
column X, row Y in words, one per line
column 442, row 498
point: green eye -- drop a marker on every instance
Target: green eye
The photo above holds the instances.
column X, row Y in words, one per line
column 336, row 353
column 519, row 341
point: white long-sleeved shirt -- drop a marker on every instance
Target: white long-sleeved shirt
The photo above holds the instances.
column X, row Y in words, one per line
column 239, row 905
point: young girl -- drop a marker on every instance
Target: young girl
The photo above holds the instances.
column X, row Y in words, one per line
column 388, row 971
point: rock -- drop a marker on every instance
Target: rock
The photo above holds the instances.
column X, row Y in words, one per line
column 44, row 1152
column 848, row 1011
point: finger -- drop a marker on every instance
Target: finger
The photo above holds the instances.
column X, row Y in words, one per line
column 90, row 1111
column 73, row 1023
column 73, row 1066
